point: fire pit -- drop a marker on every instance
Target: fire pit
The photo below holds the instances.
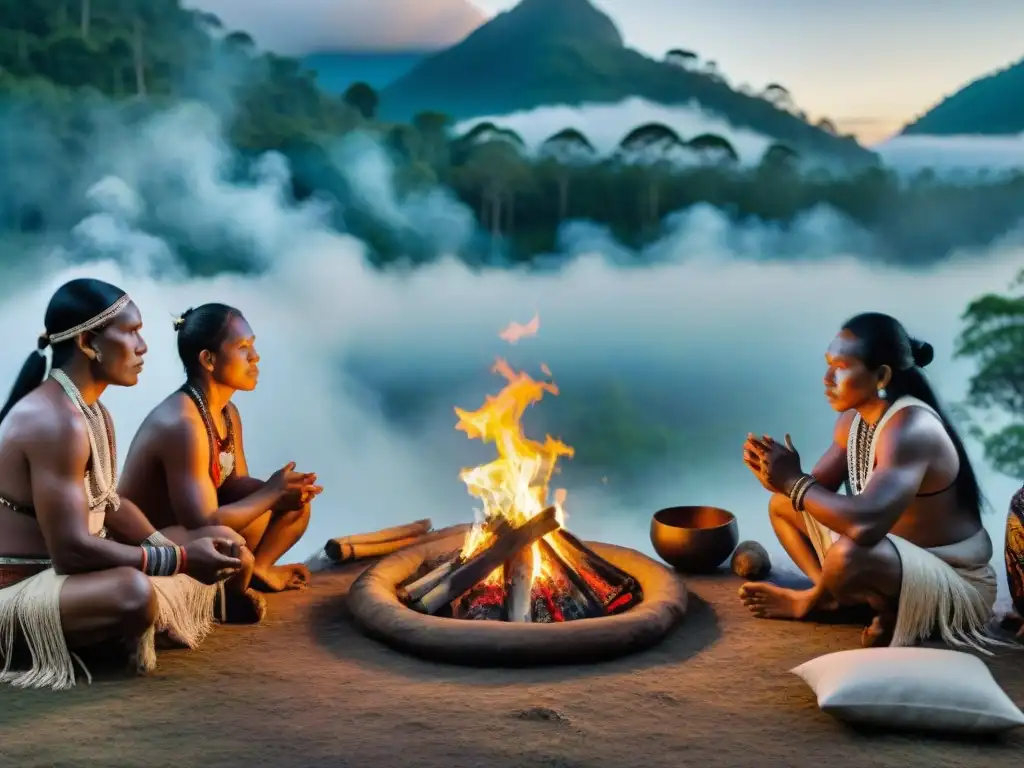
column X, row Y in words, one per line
column 519, row 588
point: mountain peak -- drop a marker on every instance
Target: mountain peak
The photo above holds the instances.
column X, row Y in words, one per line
column 558, row 19
column 567, row 52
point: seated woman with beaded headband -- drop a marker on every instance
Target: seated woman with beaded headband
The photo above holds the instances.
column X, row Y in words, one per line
column 78, row 565
column 907, row 538
column 187, row 466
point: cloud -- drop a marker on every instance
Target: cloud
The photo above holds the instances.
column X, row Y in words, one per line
column 299, row 27
column 362, row 368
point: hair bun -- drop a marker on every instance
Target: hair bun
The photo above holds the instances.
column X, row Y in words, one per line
column 180, row 320
column 922, row 351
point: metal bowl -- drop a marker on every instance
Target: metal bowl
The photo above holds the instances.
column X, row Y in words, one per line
column 694, row 539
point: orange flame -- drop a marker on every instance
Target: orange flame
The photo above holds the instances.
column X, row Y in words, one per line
column 515, row 486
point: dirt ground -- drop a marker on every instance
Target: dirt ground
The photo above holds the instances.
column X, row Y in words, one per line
column 306, row 689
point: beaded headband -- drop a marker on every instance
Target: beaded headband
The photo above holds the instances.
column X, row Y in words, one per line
column 90, row 324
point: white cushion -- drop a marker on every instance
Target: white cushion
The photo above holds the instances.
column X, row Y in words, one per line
column 913, row 688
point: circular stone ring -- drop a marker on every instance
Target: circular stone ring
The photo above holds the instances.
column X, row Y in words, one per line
column 377, row 610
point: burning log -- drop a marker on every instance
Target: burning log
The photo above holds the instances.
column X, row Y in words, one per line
column 593, row 606
column 484, row 563
column 345, row 547
column 519, row 586
column 614, row 588
column 415, row 590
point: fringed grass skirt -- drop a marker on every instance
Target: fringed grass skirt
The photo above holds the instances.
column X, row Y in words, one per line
column 30, row 612
column 948, row 590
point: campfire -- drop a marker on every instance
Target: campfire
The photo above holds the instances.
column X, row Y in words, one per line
column 518, row 562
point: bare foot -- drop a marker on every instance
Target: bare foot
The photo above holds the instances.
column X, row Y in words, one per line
column 878, row 634
column 248, row 607
column 770, row 601
column 278, row 578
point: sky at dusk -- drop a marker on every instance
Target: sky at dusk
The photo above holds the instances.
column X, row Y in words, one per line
column 870, row 65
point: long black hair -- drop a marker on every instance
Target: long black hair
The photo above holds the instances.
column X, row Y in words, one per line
column 884, row 341
column 74, row 303
column 199, row 328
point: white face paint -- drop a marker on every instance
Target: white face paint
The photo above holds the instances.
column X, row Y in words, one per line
column 841, row 377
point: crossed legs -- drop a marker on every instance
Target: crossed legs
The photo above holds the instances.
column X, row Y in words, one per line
column 851, row 574
column 269, row 536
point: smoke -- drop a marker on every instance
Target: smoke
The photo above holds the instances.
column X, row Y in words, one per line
column 362, row 368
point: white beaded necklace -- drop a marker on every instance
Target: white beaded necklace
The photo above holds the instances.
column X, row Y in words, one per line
column 101, row 478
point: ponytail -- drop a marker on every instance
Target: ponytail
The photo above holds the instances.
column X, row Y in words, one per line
column 32, row 373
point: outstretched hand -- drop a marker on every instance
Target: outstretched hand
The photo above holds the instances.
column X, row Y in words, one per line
column 775, row 465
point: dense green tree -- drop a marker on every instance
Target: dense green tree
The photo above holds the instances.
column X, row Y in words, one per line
column 651, row 147
column 363, row 99
column 993, row 337
column 566, row 149
column 681, row 57
column 714, row 147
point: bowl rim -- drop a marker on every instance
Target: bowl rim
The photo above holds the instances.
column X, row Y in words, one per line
column 731, row 517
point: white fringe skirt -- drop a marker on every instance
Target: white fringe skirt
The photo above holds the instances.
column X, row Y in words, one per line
column 30, row 609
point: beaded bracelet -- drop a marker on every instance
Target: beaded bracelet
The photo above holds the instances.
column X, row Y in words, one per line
column 799, row 492
column 799, row 488
column 162, row 561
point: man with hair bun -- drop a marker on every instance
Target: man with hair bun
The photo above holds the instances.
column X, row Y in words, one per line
column 906, row 539
column 187, row 466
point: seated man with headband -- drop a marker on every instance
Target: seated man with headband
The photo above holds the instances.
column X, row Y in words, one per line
column 78, row 565
column 187, row 467
column 907, row 538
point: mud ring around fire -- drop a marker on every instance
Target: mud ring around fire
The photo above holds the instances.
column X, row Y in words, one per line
column 378, row 612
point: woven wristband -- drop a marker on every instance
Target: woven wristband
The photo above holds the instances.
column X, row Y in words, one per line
column 161, row 561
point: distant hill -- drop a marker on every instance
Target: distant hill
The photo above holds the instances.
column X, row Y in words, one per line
column 336, row 71
column 991, row 106
column 568, row 52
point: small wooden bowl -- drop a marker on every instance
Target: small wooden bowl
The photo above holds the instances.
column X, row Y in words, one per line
column 694, row 539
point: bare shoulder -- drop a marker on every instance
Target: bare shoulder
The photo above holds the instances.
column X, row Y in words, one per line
column 49, row 426
column 172, row 423
column 841, row 432
column 912, row 433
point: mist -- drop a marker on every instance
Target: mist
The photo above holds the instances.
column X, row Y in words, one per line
column 361, row 369
column 954, row 154
column 606, row 125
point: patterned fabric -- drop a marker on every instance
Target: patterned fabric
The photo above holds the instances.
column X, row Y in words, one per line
column 1015, row 550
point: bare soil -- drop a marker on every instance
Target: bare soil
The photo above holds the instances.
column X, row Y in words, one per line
column 306, row 689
